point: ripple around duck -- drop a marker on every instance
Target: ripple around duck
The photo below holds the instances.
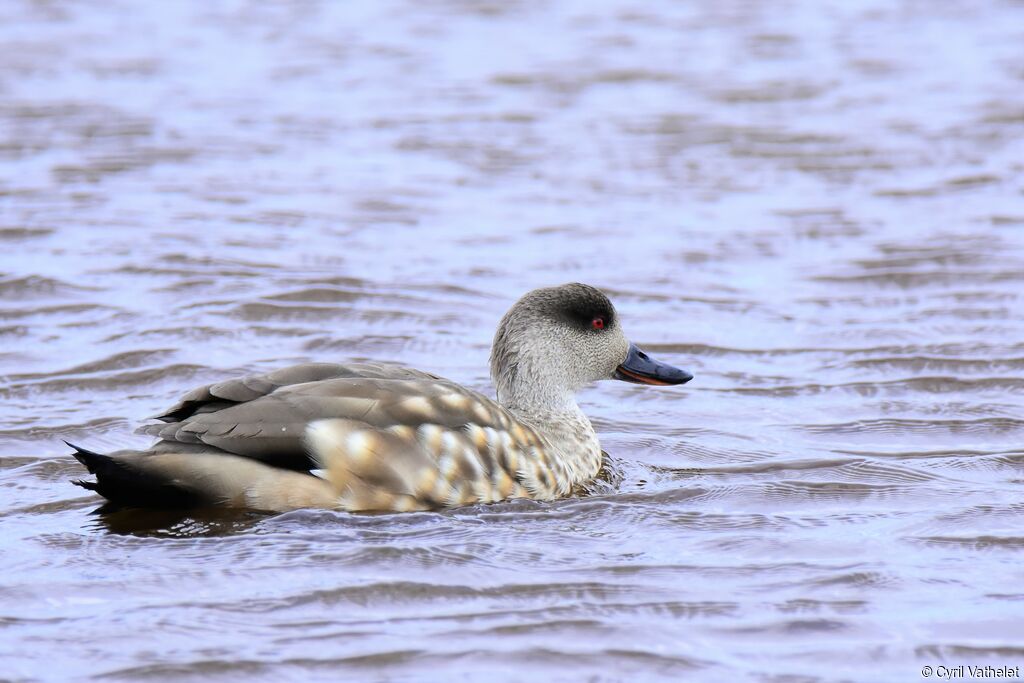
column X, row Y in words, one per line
column 704, row 521
column 904, row 427
column 916, row 280
column 817, row 627
column 859, row 579
column 320, row 295
column 17, row 234
column 416, row 595
column 13, row 462
column 208, row 333
column 501, row 664
column 987, row 466
column 922, row 364
column 366, row 345
column 992, row 511
column 809, row 492
column 264, row 311
column 109, row 380
column 972, row 652
column 767, row 465
column 53, row 432
column 116, row 361
column 883, row 472
column 985, row 542
column 928, row 385
column 701, row 453
column 59, row 311
column 39, row 287
column 94, row 169
column 842, row 470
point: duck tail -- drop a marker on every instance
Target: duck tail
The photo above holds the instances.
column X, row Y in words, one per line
column 93, row 461
column 123, row 483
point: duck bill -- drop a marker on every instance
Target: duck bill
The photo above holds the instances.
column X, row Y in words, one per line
column 639, row 368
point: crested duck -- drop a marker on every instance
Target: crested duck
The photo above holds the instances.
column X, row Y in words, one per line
column 373, row 436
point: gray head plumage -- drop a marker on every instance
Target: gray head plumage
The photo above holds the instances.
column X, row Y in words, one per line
column 554, row 341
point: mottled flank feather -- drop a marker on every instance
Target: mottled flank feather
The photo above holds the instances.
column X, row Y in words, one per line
column 400, row 468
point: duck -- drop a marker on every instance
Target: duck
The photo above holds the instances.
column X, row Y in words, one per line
column 377, row 437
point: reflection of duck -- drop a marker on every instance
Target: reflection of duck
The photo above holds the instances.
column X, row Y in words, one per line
column 393, row 438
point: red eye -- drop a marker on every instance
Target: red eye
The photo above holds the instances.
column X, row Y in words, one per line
column 597, row 323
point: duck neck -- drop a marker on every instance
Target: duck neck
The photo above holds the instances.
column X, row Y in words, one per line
column 536, row 398
column 562, row 426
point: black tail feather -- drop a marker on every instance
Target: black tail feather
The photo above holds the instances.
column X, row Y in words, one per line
column 120, row 482
column 91, row 459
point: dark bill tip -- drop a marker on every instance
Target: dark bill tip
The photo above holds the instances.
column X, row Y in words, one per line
column 639, row 368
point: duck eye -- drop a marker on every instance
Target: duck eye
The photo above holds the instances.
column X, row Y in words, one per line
column 597, row 323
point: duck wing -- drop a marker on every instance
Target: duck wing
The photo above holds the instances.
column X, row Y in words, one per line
column 266, row 419
column 218, row 395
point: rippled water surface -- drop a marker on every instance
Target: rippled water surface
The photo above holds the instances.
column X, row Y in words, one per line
column 816, row 207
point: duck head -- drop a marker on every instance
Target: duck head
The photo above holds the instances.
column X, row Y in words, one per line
column 556, row 340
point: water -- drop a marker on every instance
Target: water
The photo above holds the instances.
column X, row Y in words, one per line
column 816, row 207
